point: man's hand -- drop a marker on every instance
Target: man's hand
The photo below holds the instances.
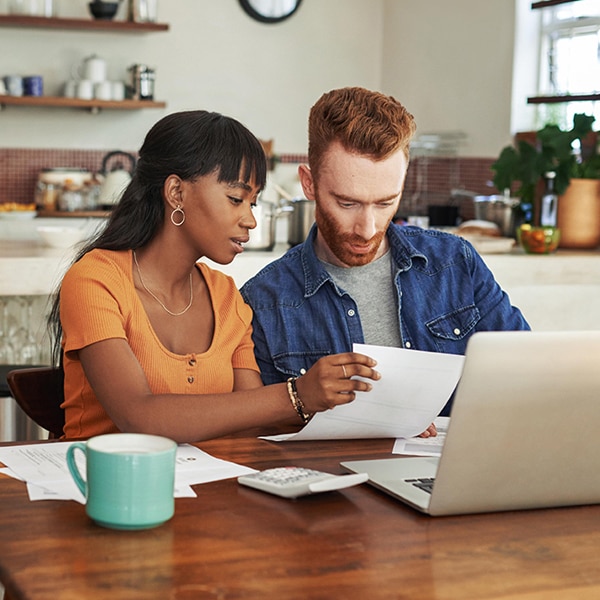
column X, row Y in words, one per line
column 431, row 431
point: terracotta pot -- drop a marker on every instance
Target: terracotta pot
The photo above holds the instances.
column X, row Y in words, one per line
column 578, row 215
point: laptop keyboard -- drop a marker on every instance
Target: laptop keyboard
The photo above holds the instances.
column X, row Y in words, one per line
column 423, row 483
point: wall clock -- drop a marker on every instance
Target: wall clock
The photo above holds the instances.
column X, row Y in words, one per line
column 270, row 11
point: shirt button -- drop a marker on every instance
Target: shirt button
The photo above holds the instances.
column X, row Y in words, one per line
column 408, row 345
column 302, row 371
column 192, row 362
column 190, row 379
column 351, row 312
column 457, row 331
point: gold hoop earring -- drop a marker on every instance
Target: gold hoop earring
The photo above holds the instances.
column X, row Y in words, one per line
column 178, row 209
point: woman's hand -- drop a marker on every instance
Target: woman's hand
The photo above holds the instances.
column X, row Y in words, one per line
column 328, row 382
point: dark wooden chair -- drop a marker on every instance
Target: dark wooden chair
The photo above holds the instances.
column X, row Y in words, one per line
column 39, row 392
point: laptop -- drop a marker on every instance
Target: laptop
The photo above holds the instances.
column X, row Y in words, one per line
column 524, row 430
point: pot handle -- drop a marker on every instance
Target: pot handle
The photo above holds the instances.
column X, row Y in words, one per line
column 284, row 211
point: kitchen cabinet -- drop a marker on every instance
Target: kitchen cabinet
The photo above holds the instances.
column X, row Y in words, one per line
column 94, row 25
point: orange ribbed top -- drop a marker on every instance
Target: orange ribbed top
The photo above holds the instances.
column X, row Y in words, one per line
column 98, row 301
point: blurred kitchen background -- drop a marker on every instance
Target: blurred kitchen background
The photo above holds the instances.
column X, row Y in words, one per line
column 464, row 69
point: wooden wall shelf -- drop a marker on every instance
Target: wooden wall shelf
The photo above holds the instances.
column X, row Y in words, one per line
column 563, row 98
column 91, row 105
column 546, row 3
column 80, row 24
column 86, row 214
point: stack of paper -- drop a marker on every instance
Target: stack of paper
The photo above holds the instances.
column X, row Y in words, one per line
column 43, row 467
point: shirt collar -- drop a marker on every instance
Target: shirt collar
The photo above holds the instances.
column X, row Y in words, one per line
column 315, row 274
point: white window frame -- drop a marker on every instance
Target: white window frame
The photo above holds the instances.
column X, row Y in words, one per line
column 530, row 71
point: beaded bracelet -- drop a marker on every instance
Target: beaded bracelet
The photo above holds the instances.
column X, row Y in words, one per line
column 295, row 400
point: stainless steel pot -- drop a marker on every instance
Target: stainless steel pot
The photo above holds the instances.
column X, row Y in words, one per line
column 497, row 209
column 262, row 237
column 301, row 220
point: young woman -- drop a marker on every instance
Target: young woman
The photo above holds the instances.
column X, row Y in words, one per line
column 154, row 341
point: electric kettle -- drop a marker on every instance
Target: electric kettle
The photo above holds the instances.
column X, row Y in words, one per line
column 116, row 180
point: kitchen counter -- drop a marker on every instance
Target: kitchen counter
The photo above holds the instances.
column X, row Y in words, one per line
column 29, row 268
column 555, row 292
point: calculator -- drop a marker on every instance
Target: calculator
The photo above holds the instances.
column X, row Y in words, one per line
column 291, row 482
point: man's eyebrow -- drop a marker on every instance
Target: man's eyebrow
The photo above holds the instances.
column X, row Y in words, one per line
column 345, row 198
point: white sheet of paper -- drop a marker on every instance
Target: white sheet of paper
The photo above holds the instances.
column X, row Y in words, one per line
column 44, row 468
column 10, row 473
column 196, row 466
column 413, row 389
column 416, row 446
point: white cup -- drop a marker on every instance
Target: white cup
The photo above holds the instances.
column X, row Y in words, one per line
column 117, row 90
column 85, row 89
column 70, row 89
column 14, row 85
column 103, row 90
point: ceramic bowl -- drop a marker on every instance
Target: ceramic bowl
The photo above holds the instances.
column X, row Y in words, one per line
column 60, row 237
column 538, row 240
column 103, row 10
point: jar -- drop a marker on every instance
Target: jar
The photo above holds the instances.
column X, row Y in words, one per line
column 142, row 82
column 92, row 194
column 46, row 196
column 72, row 197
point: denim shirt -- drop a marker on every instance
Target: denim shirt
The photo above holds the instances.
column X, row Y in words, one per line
column 445, row 294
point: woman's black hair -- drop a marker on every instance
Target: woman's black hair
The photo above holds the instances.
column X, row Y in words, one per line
column 188, row 144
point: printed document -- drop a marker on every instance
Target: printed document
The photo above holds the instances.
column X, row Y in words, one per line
column 413, row 389
column 44, row 468
column 431, row 446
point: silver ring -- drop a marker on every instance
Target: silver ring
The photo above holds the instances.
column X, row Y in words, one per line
column 344, row 369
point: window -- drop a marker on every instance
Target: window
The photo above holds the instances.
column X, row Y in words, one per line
column 569, row 59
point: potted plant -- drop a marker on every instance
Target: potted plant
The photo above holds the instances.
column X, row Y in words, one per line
column 573, row 156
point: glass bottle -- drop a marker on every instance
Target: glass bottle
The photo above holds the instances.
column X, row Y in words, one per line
column 549, row 203
column 523, row 211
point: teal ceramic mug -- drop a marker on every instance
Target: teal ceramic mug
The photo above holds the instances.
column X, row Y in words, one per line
column 129, row 481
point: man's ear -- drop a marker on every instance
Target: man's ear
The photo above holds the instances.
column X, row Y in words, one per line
column 306, row 180
column 173, row 192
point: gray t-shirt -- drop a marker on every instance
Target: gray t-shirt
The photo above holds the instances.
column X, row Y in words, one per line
column 373, row 289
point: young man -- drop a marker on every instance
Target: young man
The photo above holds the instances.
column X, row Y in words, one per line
column 358, row 277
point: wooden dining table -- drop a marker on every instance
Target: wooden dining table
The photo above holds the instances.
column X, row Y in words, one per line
column 233, row 542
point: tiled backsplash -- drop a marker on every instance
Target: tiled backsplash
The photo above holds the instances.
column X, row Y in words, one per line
column 430, row 179
column 19, row 168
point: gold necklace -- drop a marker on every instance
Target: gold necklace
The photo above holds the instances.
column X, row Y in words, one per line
column 177, row 314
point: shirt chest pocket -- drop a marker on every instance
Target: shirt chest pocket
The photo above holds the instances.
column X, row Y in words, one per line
column 294, row 364
column 456, row 325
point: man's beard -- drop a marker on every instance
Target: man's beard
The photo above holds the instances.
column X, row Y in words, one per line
column 338, row 241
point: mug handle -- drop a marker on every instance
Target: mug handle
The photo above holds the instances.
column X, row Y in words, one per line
column 73, row 469
column 77, row 71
